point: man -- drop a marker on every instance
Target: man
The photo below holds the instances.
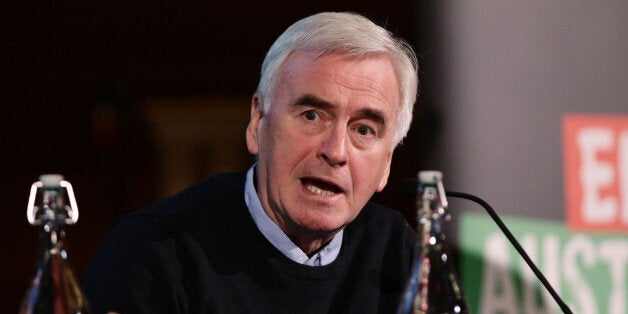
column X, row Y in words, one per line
column 296, row 234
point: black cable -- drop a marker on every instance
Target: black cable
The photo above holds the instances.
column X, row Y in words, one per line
column 515, row 243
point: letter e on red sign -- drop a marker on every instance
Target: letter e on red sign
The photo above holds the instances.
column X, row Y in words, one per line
column 595, row 151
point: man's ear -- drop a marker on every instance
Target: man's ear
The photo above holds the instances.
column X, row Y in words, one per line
column 384, row 180
column 252, row 130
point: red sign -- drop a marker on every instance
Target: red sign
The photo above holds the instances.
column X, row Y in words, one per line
column 595, row 149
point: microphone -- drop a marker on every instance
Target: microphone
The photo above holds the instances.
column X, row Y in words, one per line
column 410, row 187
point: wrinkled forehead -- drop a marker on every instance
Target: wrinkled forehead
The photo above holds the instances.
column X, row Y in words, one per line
column 370, row 82
column 378, row 69
column 304, row 59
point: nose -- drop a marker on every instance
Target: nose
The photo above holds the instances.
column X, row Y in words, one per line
column 334, row 147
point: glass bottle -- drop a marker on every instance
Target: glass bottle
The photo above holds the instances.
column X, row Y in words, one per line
column 433, row 286
column 54, row 287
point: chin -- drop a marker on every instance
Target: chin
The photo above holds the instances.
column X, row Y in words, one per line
column 323, row 225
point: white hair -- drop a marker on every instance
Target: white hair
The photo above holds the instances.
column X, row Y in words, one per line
column 352, row 35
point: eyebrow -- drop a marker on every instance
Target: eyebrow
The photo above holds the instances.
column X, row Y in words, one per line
column 369, row 113
column 311, row 100
column 375, row 115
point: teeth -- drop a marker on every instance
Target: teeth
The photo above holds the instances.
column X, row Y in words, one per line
column 319, row 191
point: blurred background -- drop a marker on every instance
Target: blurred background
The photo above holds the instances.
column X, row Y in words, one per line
column 133, row 101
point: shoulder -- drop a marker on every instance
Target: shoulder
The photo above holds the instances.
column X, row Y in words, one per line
column 197, row 207
column 381, row 244
column 154, row 246
column 382, row 228
column 216, row 191
column 180, row 211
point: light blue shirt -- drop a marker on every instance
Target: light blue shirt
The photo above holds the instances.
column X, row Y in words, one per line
column 278, row 238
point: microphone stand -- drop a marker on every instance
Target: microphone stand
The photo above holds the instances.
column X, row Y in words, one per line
column 516, row 244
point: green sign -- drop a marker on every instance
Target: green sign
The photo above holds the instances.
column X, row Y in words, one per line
column 589, row 271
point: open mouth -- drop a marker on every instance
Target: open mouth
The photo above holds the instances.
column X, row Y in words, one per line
column 319, row 187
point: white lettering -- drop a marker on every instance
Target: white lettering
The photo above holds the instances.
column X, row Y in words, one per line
column 498, row 288
column 580, row 246
column 589, row 272
column 552, row 263
column 616, row 254
column 596, row 174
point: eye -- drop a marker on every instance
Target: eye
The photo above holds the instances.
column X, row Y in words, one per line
column 365, row 130
column 311, row 115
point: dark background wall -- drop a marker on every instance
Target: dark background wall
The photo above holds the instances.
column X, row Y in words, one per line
column 75, row 76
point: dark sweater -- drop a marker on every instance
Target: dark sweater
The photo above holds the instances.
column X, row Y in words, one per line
column 200, row 252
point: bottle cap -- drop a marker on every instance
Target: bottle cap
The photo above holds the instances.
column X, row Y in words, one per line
column 430, row 176
column 51, row 180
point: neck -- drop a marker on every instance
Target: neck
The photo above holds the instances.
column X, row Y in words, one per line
column 311, row 244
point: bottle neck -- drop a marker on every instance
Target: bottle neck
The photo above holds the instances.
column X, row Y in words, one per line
column 51, row 219
column 431, row 208
column 52, row 242
column 429, row 219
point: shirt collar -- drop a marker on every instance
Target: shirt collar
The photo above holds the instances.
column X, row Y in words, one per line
column 278, row 238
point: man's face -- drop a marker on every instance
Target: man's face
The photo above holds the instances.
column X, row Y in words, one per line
column 325, row 146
